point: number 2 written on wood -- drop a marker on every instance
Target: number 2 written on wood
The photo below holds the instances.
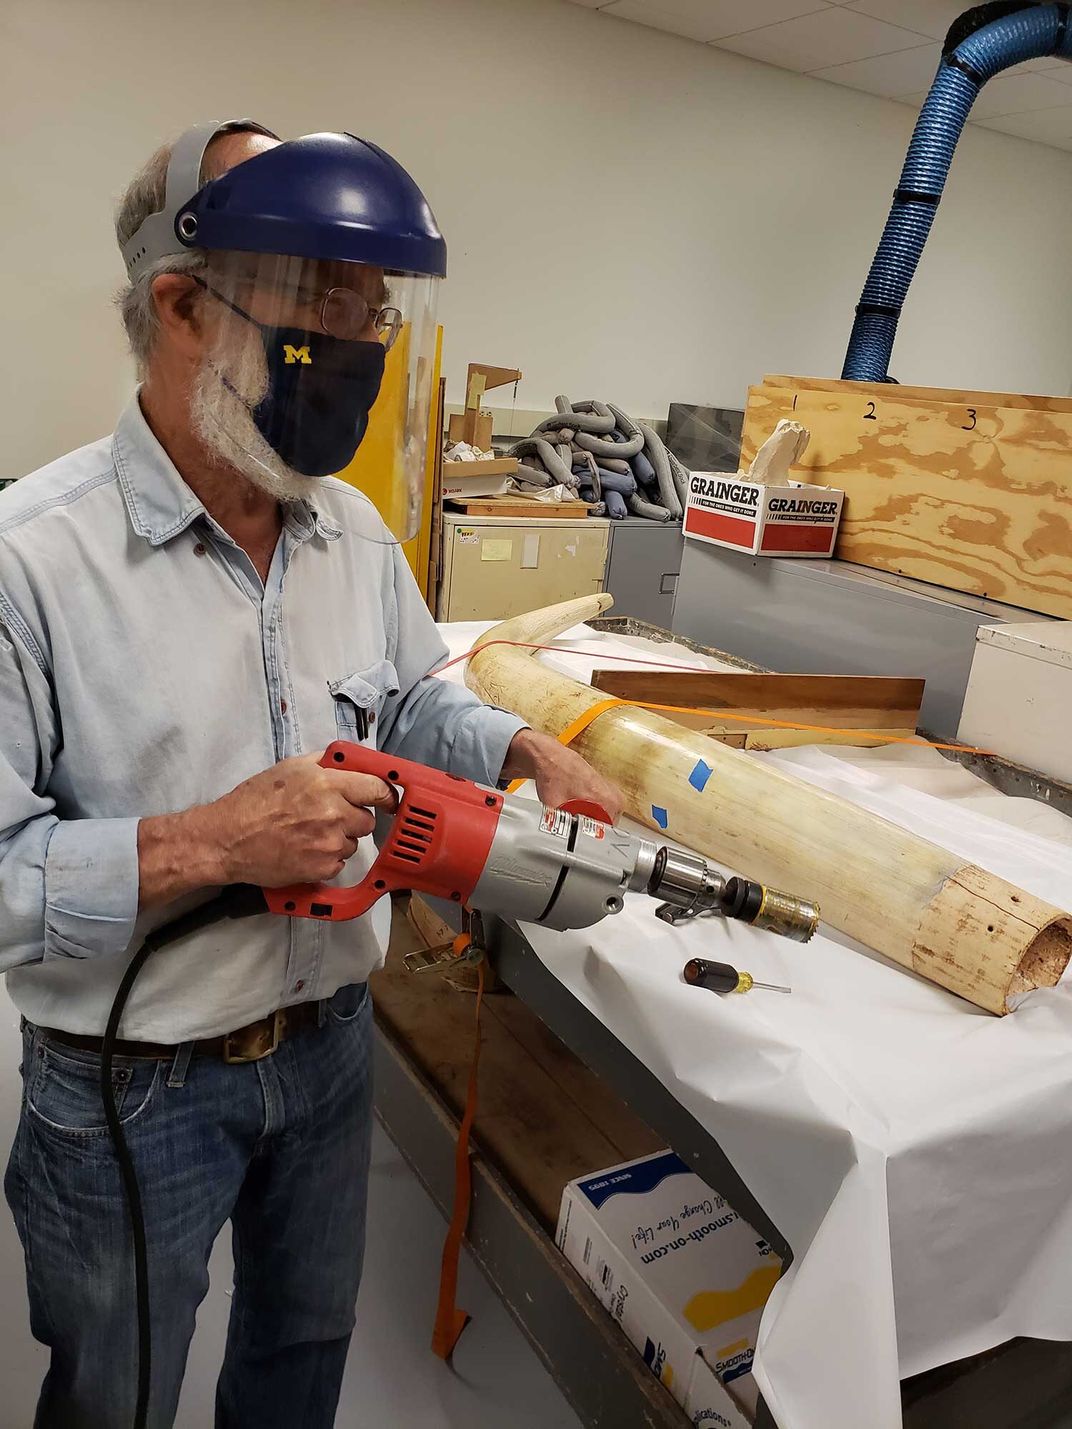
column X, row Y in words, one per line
column 870, row 415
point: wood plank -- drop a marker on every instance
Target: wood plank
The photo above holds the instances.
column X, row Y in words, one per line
column 844, row 701
column 538, row 1133
column 501, row 506
column 630, row 1136
column 429, row 926
column 768, row 736
column 950, row 396
column 765, row 739
column 975, row 499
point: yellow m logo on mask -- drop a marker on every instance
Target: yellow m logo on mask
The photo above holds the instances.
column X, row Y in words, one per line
column 296, row 354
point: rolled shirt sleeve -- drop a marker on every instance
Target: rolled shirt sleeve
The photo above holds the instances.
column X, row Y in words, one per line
column 91, row 887
column 430, row 721
column 68, row 890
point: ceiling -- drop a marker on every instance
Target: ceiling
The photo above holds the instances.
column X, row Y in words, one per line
column 885, row 47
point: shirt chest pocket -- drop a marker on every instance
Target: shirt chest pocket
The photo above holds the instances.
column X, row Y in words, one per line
column 359, row 701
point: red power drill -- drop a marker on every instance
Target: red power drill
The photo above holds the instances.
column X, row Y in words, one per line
column 503, row 855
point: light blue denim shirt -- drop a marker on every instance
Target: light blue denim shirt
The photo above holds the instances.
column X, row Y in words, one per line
column 144, row 668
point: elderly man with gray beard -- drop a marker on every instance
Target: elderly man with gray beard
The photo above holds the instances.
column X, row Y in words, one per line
column 190, row 611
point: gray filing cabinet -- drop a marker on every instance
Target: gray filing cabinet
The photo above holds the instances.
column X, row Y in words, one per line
column 833, row 618
column 643, row 562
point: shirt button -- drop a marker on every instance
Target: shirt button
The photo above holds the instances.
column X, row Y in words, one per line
column 299, row 985
column 372, row 719
column 199, row 549
column 282, row 706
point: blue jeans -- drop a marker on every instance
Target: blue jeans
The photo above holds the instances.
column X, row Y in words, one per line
column 280, row 1147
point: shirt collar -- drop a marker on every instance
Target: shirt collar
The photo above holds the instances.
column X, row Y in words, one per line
column 160, row 504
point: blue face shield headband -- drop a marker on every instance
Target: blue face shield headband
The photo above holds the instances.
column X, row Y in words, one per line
column 315, row 410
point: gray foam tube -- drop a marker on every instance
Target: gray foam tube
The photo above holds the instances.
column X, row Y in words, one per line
column 578, row 417
column 547, row 456
column 656, row 454
column 616, row 507
column 643, row 470
column 623, row 421
column 532, row 475
column 577, row 422
column 639, row 507
column 615, row 481
column 613, row 463
column 605, row 448
column 681, row 476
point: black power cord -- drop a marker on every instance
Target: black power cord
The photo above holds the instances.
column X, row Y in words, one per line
column 238, row 901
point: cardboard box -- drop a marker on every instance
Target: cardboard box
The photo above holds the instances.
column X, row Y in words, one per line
column 707, row 1403
column 679, row 1270
column 478, row 478
column 1019, row 695
column 793, row 519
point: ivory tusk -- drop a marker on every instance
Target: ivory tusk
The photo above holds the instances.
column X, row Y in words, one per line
column 963, row 928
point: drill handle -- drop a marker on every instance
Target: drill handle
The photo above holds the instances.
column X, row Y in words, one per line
column 414, row 853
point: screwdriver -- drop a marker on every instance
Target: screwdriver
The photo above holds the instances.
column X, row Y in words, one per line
column 720, row 977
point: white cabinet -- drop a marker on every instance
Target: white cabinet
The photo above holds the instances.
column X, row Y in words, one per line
column 495, row 566
column 1019, row 695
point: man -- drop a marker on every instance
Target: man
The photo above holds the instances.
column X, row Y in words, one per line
column 189, row 614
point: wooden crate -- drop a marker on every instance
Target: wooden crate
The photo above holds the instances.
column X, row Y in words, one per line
column 971, row 491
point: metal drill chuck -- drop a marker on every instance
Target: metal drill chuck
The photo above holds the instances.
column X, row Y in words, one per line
column 690, row 886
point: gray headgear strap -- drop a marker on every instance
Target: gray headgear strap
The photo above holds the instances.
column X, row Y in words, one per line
column 156, row 238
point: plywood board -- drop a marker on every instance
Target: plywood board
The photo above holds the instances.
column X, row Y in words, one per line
column 949, row 395
column 972, row 498
column 845, row 701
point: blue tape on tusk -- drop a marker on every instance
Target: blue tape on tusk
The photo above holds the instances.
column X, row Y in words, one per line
column 700, row 775
column 660, row 816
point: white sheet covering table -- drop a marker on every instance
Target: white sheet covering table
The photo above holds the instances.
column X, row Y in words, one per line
column 915, row 1152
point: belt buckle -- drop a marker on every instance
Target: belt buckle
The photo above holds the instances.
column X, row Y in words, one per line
column 255, row 1042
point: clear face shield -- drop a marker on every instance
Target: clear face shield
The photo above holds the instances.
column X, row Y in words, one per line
column 300, row 357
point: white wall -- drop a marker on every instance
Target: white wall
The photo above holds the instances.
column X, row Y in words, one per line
column 629, row 215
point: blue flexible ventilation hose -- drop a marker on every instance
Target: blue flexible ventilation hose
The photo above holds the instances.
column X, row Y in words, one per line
column 977, row 47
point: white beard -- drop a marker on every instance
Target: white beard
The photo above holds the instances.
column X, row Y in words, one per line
column 224, row 424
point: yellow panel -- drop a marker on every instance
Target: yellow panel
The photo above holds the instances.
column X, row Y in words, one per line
column 373, row 469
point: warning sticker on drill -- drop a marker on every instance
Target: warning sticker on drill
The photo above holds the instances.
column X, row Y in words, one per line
column 592, row 827
column 556, row 822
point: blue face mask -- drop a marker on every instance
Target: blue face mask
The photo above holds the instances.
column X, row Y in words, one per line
column 321, row 389
column 320, row 392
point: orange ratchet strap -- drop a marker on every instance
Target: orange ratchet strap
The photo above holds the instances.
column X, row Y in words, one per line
column 578, row 726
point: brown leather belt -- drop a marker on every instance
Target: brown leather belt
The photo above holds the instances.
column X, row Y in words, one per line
column 247, row 1044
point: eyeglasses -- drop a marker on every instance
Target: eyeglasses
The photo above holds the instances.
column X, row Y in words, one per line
column 345, row 313
column 341, row 312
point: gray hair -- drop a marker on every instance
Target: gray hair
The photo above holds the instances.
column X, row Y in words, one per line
column 145, row 195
